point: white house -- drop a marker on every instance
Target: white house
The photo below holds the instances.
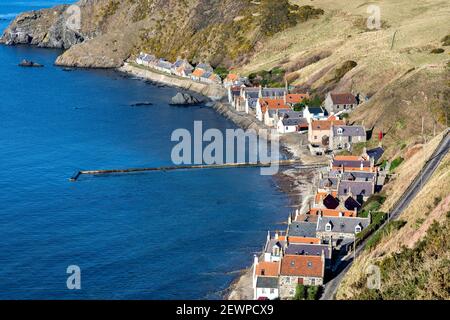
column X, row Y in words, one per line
column 265, row 280
column 314, row 113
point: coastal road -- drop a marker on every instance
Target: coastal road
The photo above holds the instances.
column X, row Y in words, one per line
column 429, row 168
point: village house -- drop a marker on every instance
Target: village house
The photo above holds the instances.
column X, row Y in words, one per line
column 331, row 201
column 163, row 66
column 232, row 80
column 314, row 113
column 182, row 68
column 145, row 59
column 265, row 279
column 343, row 137
column 360, row 190
column 300, row 269
column 323, row 212
column 266, row 108
column 291, row 99
column 303, row 249
column 336, row 229
column 340, row 102
column 352, row 163
column 319, row 131
column 274, row 248
column 266, row 288
column 290, row 121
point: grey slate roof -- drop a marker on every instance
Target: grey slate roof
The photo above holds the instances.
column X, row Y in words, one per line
column 293, row 121
column 316, row 110
column 302, row 229
column 288, row 113
column 326, row 183
column 273, row 92
column 252, row 102
column 342, row 225
column 351, row 204
column 357, row 188
column 351, row 163
column 267, row 282
column 309, row 250
column 376, row 153
column 350, row 131
column 205, row 66
column 353, row 176
column 274, row 242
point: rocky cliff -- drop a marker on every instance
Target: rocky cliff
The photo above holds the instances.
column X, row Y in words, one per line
column 104, row 33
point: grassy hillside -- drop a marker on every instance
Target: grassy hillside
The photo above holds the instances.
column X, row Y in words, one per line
column 413, row 254
column 401, row 75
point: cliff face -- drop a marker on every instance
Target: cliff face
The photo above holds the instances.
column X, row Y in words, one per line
column 104, row 33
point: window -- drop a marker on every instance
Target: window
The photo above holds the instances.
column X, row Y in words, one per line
column 272, row 291
column 358, row 229
column 263, row 290
column 340, row 131
column 328, row 227
column 310, row 264
column 292, row 263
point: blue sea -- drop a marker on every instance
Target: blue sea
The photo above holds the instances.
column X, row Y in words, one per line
column 161, row 235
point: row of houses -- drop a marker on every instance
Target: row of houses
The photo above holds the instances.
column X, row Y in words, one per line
column 203, row 72
column 305, row 252
column 276, row 107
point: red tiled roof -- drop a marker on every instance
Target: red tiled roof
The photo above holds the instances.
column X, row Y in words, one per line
column 343, row 98
column 302, row 266
column 268, row 269
column 296, row 98
column 325, row 125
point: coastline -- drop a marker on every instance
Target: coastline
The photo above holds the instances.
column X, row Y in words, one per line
column 296, row 184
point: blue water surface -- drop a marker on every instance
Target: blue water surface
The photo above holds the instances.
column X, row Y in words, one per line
column 162, row 235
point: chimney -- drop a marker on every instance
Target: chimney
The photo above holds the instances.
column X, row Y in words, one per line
column 290, row 219
column 268, row 236
column 260, row 91
column 255, row 260
column 277, row 236
column 285, row 97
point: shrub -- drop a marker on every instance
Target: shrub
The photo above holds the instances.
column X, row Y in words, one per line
column 437, row 51
column 222, row 72
column 380, row 234
column 300, row 292
column 396, row 163
column 313, row 293
column 446, row 40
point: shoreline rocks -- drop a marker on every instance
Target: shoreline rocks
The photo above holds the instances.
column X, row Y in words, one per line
column 184, row 99
column 30, row 64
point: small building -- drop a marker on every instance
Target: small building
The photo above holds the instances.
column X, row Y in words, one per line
column 315, row 113
column 266, row 108
column 335, row 229
column 197, row 74
column 319, row 131
column 300, row 269
column 263, row 287
column 163, row 66
column 361, row 190
column 289, row 121
column 274, row 248
column 266, row 288
column 340, row 102
column 291, row 99
column 352, row 164
column 206, row 67
column 343, row 137
column 303, row 249
column 182, row 68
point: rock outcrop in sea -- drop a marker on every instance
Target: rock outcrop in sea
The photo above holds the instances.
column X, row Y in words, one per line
column 185, row 99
